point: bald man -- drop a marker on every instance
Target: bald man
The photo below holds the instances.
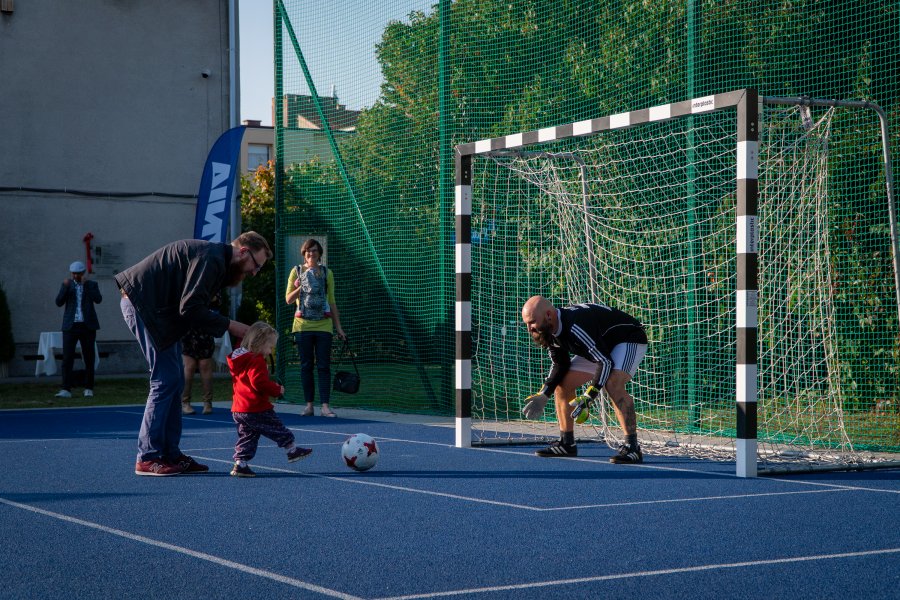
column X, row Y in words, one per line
column 606, row 346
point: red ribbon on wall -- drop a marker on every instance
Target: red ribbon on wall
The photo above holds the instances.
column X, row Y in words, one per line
column 87, row 245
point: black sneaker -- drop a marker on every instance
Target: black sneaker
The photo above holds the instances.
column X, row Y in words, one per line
column 628, row 455
column 558, row 449
column 239, row 471
column 189, row 466
column 298, row 453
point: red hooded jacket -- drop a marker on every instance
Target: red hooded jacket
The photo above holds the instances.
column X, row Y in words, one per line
column 252, row 386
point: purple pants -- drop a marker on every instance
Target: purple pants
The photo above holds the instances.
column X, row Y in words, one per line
column 252, row 425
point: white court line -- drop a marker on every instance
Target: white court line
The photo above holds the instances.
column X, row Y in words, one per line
column 193, row 553
column 335, row 594
column 698, row 568
column 834, row 486
column 381, row 485
column 522, row 506
column 697, row 499
column 842, row 486
column 700, row 471
column 37, row 440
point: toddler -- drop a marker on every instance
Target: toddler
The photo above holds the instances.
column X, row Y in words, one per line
column 251, row 408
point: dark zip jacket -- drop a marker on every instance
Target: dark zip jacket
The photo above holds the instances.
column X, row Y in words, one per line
column 171, row 289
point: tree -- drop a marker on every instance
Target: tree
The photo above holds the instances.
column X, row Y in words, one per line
column 258, row 214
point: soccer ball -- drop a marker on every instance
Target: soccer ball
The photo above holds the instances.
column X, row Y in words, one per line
column 360, row 452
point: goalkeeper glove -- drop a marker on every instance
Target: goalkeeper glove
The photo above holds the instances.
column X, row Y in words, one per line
column 534, row 405
column 582, row 405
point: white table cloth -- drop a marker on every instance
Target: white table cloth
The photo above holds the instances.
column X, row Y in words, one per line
column 47, row 344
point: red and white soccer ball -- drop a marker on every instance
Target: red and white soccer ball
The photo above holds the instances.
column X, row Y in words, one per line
column 360, row 452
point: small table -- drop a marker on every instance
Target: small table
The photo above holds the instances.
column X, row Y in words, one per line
column 50, row 341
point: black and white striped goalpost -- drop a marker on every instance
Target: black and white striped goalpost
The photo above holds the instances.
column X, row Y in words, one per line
column 746, row 103
column 747, row 290
column 463, row 308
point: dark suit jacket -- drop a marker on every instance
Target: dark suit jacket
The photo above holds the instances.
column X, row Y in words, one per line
column 91, row 296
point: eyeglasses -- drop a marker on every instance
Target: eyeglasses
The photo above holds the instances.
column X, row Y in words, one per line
column 255, row 263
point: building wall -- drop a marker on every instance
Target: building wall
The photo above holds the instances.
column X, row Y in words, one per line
column 102, row 97
column 300, row 144
column 256, row 134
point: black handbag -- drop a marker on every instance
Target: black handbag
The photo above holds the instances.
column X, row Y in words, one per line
column 345, row 381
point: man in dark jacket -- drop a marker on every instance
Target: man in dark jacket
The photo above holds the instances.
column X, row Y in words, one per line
column 164, row 296
column 79, row 326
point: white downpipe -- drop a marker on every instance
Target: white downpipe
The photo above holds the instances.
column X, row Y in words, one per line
column 234, row 116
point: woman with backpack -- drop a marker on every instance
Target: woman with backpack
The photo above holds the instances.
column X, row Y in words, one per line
column 311, row 287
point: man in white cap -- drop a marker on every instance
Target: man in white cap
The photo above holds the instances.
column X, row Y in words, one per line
column 79, row 325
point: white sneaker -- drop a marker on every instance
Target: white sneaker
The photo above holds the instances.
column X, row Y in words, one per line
column 88, row 393
column 63, row 394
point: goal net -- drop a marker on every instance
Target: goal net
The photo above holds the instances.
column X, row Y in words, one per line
column 640, row 214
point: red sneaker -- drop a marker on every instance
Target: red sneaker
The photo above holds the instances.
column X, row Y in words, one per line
column 156, row 467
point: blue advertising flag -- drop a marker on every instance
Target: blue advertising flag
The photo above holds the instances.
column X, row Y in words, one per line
column 217, row 186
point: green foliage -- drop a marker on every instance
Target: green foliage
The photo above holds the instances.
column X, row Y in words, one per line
column 7, row 343
column 522, row 65
column 258, row 214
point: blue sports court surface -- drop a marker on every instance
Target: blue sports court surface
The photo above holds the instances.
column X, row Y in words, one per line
column 429, row 521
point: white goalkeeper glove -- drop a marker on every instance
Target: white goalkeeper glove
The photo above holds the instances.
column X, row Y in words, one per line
column 534, row 405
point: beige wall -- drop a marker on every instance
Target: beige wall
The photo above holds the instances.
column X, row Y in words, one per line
column 300, row 144
column 264, row 136
column 101, row 97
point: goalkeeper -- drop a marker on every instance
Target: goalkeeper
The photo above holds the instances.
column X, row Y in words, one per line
column 607, row 346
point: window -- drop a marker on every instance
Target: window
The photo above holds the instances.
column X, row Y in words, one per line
column 257, row 154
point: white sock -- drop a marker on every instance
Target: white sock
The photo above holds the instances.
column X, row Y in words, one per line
column 241, row 463
column 289, row 447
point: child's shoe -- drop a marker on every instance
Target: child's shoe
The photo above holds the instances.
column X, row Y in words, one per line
column 297, row 454
column 239, row 471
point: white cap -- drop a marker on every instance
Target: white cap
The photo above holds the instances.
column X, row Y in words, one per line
column 77, row 267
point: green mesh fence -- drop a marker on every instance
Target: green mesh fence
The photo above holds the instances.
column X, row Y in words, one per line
column 413, row 79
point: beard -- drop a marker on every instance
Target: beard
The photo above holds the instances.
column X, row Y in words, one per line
column 235, row 275
column 543, row 337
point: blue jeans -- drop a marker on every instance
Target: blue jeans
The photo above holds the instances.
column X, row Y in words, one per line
column 314, row 349
column 160, row 432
